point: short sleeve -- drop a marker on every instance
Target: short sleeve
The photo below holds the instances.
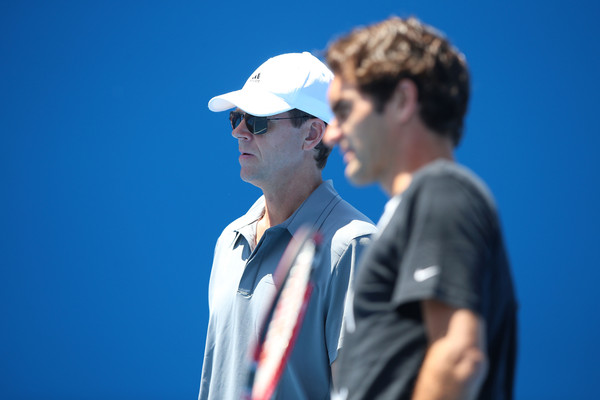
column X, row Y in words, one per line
column 447, row 242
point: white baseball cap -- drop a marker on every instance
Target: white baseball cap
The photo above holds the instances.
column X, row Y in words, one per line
column 282, row 83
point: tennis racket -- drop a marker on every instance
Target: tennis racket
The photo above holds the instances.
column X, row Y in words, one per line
column 284, row 317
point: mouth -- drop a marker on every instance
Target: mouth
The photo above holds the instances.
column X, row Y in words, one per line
column 244, row 155
column 348, row 157
column 347, row 154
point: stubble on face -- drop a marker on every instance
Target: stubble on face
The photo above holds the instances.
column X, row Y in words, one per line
column 358, row 130
column 273, row 156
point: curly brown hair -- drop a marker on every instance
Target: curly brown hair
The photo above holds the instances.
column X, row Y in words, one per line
column 379, row 56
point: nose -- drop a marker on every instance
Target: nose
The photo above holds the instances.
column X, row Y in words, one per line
column 333, row 133
column 241, row 132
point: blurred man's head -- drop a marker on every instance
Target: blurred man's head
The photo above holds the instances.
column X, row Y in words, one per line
column 399, row 97
column 378, row 57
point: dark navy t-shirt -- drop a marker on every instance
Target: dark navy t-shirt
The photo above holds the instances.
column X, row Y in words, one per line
column 443, row 242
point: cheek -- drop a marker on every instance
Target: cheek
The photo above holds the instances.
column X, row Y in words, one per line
column 360, row 122
column 359, row 130
column 368, row 136
column 287, row 148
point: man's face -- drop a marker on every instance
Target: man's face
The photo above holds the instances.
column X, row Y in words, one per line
column 272, row 157
column 359, row 131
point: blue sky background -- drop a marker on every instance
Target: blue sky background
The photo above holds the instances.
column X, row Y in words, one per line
column 116, row 180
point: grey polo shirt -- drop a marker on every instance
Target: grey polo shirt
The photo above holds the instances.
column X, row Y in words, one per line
column 241, row 287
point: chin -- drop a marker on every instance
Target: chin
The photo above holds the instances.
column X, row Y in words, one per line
column 357, row 178
column 246, row 178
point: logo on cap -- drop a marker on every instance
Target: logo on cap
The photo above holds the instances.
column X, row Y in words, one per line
column 255, row 77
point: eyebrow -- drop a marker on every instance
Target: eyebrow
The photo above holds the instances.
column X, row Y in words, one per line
column 340, row 105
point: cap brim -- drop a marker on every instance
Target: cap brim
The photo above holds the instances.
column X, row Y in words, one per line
column 255, row 102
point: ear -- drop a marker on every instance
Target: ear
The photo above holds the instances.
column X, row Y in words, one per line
column 404, row 103
column 314, row 134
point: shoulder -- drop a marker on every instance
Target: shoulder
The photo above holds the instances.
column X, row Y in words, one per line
column 346, row 226
column 347, row 220
column 334, row 216
column 448, row 199
column 449, row 185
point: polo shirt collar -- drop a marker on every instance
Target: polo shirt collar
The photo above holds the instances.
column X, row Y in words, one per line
column 310, row 210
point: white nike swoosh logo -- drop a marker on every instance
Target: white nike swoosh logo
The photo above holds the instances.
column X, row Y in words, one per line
column 340, row 395
column 423, row 274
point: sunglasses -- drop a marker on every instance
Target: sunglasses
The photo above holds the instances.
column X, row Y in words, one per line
column 256, row 125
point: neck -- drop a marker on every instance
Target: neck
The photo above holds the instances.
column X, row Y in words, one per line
column 283, row 200
column 415, row 152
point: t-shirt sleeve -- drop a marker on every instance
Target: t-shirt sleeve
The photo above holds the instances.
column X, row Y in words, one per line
column 447, row 243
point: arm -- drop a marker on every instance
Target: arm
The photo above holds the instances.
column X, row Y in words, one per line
column 455, row 363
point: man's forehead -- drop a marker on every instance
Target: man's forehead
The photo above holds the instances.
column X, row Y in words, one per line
column 341, row 88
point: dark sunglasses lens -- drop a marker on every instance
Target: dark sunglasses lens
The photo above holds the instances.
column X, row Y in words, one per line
column 260, row 125
column 250, row 122
column 255, row 125
column 235, row 118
